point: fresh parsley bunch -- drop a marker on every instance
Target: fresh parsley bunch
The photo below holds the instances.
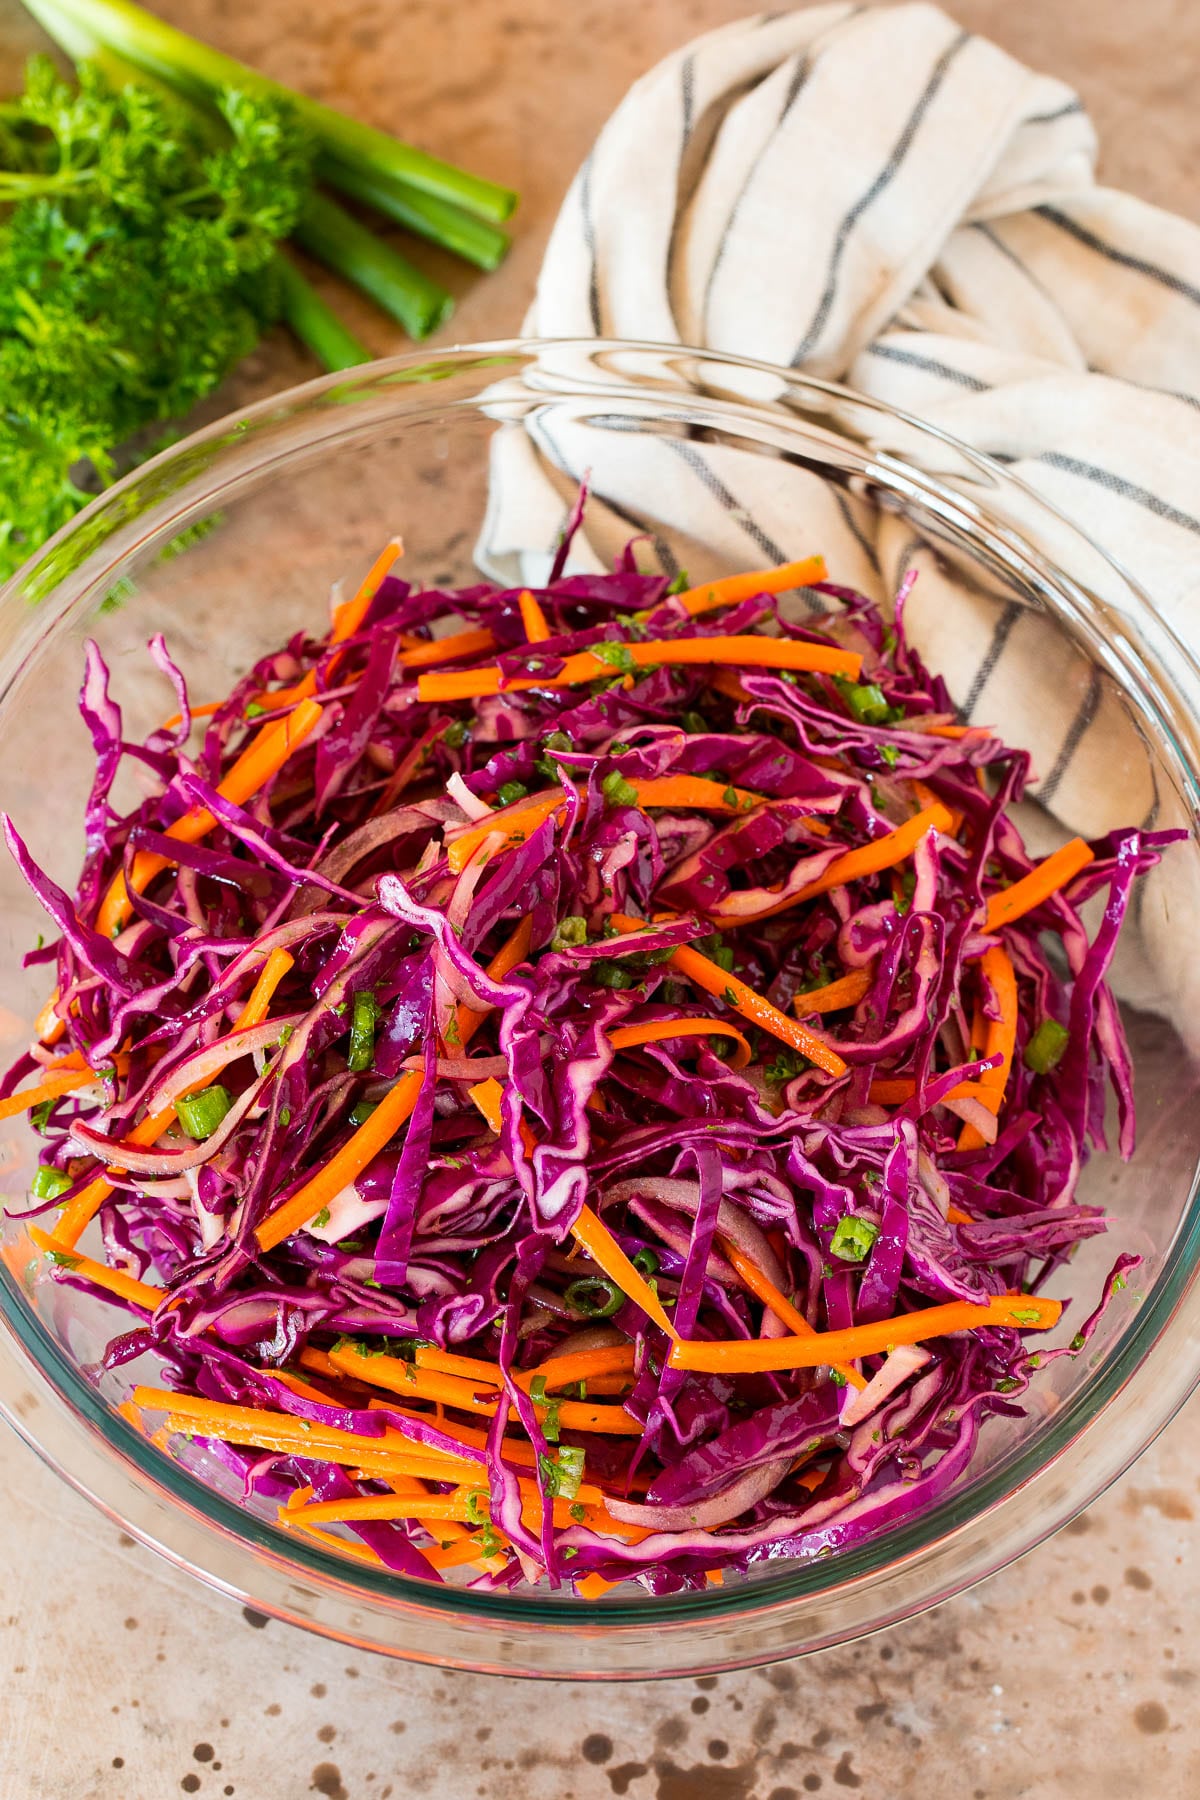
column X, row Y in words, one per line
column 137, row 265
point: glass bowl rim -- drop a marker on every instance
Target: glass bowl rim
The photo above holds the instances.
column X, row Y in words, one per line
column 1156, row 1319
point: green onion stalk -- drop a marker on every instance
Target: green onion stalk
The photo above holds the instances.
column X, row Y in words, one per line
column 197, row 69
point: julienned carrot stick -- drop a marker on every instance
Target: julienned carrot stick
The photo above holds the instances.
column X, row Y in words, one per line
column 1025, row 1312
column 582, row 1365
column 380, row 1466
column 738, row 652
column 54, row 1087
column 330, row 1540
column 593, row 1234
column 592, row 1587
column 411, row 1382
column 868, row 859
column 487, row 1096
column 766, row 1291
column 78, row 1212
column 896, row 1090
column 732, row 588
column 264, row 757
column 743, row 999
column 695, row 793
column 114, row 1281
column 847, row 990
column 354, row 1155
column 997, row 969
column 533, row 619
column 350, row 614
column 48, row 1027
column 691, row 792
column 197, row 712
column 475, row 642
column 219, row 1418
column 507, row 958
column 626, row 1037
column 1054, row 873
column 467, row 1507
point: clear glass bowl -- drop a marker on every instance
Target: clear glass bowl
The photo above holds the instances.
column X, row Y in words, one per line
column 301, row 491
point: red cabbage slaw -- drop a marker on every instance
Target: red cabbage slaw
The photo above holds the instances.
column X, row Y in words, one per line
column 576, row 1085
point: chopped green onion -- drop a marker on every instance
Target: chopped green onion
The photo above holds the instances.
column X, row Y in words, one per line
column 787, row 1064
column 694, row 722
column 322, row 1219
column 730, row 796
column 612, row 975
column 614, row 653
column 39, row 1117
column 252, row 710
column 511, row 791
column 837, row 1378
column 1045, row 1049
column 890, row 754
column 570, row 932
column 201, row 1113
column 595, row 1297
column 645, row 1262
column 617, row 791
column 679, row 583
column 455, row 734
column 562, row 1474
column 578, row 1513
column 854, row 1237
column 362, row 1032
column 49, row 1183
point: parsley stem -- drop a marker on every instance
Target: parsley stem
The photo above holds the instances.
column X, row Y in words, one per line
column 350, row 250
column 201, row 72
column 316, row 324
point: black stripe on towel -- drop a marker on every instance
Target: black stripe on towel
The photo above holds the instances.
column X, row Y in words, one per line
column 1138, row 264
column 589, row 238
column 1001, row 632
column 929, row 365
column 885, row 176
column 1086, row 712
column 687, row 92
column 1060, row 112
column 1116, row 484
column 689, row 454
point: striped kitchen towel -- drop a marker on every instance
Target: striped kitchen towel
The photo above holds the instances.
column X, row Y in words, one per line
column 881, row 198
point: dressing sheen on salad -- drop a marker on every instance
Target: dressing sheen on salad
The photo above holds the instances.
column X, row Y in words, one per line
column 577, row 1085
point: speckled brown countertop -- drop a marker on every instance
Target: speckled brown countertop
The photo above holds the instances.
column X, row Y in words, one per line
column 1074, row 1674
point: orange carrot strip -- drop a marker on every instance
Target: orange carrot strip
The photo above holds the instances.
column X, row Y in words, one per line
column 506, row 959
column 354, row 1155
column 399, row 1377
column 869, row 859
column 52, row 1088
column 214, row 1418
column 465, row 1506
column 591, row 1587
column 350, row 614
column 765, row 1290
column 198, row 712
column 593, row 1234
column 48, row 1027
column 487, row 1096
column 695, row 793
column 582, row 1365
column 329, row 1540
column 475, row 642
column 287, row 1443
column 735, row 993
column 537, row 630
column 892, row 1090
column 847, row 990
column 264, row 757
column 741, row 652
column 1022, row 1311
column 732, row 588
column 956, row 1216
column 625, row 1037
column 115, row 1281
column 1001, row 1039
column 1055, row 872
column 270, row 975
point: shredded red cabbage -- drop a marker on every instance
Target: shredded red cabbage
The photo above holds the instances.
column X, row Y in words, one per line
column 919, row 1157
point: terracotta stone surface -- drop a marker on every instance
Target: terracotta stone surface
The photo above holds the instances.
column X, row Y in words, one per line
column 1073, row 1674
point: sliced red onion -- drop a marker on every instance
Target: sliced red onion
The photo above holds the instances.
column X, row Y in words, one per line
column 899, row 1364
column 729, row 1504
